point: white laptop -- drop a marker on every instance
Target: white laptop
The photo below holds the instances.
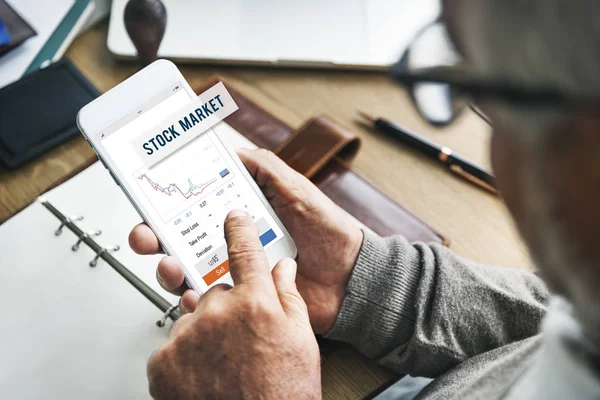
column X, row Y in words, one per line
column 357, row 34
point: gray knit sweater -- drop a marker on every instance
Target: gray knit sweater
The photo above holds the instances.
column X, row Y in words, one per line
column 477, row 330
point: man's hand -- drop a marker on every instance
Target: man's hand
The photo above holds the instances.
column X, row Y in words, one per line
column 328, row 240
column 250, row 341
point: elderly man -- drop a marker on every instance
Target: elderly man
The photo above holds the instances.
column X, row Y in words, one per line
column 478, row 331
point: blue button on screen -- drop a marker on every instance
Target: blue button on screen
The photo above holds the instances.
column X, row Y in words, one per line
column 267, row 237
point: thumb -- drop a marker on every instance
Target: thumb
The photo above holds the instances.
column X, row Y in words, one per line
column 284, row 277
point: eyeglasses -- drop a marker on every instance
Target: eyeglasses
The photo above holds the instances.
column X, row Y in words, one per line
column 482, row 89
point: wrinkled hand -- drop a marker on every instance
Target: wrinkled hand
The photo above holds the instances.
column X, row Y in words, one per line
column 328, row 241
column 250, row 341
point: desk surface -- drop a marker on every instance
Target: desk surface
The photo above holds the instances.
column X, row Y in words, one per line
column 475, row 221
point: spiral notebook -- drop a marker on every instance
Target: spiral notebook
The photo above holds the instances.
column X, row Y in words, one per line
column 72, row 330
column 83, row 313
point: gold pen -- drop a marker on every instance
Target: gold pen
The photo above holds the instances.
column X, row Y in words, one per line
column 457, row 164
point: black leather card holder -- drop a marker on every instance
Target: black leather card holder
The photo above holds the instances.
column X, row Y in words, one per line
column 39, row 111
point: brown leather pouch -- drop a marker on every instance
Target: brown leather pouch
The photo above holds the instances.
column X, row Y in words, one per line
column 322, row 150
column 318, row 142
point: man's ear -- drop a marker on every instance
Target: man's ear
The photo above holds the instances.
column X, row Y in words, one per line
column 586, row 123
column 572, row 169
column 572, row 176
column 576, row 138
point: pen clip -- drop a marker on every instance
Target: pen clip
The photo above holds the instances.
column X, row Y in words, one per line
column 473, row 179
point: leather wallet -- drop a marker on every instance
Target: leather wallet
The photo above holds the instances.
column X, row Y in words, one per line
column 17, row 27
column 322, row 150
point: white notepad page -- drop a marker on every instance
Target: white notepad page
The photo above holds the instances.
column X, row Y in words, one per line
column 70, row 331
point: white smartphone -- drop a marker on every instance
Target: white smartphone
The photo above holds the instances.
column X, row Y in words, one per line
column 183, row 195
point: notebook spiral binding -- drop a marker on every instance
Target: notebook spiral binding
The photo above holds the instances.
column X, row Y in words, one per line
column 169, row 311
column 103, row 251
column 97, row 232
column 65, row 222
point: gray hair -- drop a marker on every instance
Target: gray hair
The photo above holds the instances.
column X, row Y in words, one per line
column 553, row 43
column 534, row 43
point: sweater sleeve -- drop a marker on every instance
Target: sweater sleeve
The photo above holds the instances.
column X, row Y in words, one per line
column 421, row 310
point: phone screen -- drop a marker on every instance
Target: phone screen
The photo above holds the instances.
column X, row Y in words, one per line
column 187, row 194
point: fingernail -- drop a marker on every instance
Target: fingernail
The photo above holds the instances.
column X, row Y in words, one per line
column 289, row 264
column 286, row 270
column 182, row 307
column 236, row 214
column 159, row 279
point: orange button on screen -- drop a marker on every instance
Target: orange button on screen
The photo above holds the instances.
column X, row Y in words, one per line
column 216, row 273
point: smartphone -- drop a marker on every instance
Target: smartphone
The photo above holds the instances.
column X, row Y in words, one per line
column 183, row 195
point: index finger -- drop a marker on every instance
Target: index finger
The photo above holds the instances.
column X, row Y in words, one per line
column 247, row 259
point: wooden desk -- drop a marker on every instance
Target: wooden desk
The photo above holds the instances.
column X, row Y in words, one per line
column 476, row 222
